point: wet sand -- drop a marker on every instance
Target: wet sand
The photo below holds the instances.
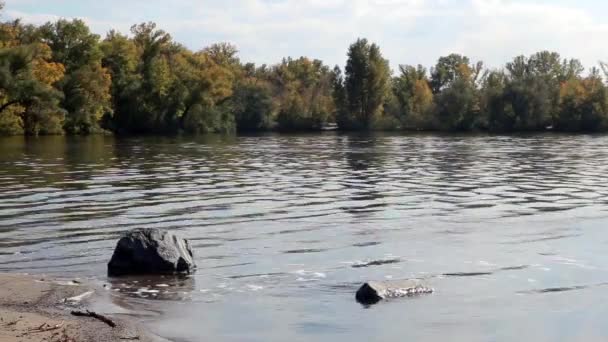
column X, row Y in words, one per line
column 35, row 308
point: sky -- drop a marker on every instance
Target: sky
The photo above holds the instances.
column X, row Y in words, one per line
column 407, row 31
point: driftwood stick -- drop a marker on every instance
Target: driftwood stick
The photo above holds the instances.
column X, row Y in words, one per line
column 95, row 315
column 43, row 328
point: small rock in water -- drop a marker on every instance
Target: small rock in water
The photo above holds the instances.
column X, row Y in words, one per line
column 151, row 251
column 375, row 291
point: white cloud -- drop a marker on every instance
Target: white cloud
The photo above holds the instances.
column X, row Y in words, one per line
column 500, row 29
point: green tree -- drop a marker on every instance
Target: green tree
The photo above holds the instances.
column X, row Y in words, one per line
column 338, row 93
column 87, row 84
column 583, row 104
column 414, row 96
column 142, row 64
column 252, row 106
column 496, row 111
column 87, row 98
column 533, row 86
column 72, row 43
column 456, row 97
column 121, row 58
column 367, row 81
column 448, row 69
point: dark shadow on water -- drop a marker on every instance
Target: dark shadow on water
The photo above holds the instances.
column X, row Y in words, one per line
column 515, row 268
column 467, row 274
column 307, row 250
column 486, row 273
column 562, row 289
column 376, row 263
column 367, row 244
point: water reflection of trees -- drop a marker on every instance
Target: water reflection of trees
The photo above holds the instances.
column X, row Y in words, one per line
column 55, row 161
column 364, row 155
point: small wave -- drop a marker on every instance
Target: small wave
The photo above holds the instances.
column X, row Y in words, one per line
column 467, row 274
column 562, row 289
column 362, row 264
column 515, row 268
column 554, row 289
column 303, row 251
column 256, row 275
column 367, row 244
column 486, row 273
column 542, row 239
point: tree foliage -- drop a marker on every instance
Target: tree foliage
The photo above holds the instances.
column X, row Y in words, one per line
column 29, row 104
column 366, row 84
column 60, row 77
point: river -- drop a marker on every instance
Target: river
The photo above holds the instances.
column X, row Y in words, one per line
column 510, row 231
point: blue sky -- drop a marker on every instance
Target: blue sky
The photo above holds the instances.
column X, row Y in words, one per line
column 408, row 31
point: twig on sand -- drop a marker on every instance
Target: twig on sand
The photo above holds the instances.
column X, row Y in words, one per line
column 43, row 328
column 88, row 313
column 130, row 338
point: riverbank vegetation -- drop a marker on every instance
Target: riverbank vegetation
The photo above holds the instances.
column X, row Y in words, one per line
column 60, row 78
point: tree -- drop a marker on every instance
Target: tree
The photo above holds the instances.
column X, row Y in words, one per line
column 413, row 93
column 252, row 106
column 120, row 59
column 26, row 89
column 224, row 54
column 367, row 77
column 72, row 43
column 87, row 98
column 205, row 86
column 338, row 93
column 497, row 112
column 533, row 86
column 303, row 88
column 583, row 104
column 456, row 98
column 448, row 69
column 60, row 78
column 143, row 102
column 87, row 84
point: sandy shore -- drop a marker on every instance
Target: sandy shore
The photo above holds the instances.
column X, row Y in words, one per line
column 34, row 308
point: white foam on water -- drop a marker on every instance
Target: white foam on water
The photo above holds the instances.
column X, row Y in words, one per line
column 254, row 287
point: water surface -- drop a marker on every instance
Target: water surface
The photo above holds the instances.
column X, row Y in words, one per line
column 508, row 230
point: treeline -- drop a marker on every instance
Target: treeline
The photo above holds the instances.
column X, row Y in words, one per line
column 60, row 78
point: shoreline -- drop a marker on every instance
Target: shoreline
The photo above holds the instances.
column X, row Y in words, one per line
column 39, row 308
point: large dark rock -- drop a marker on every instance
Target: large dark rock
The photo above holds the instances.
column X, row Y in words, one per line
column 375, row 291
column 151, row 251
